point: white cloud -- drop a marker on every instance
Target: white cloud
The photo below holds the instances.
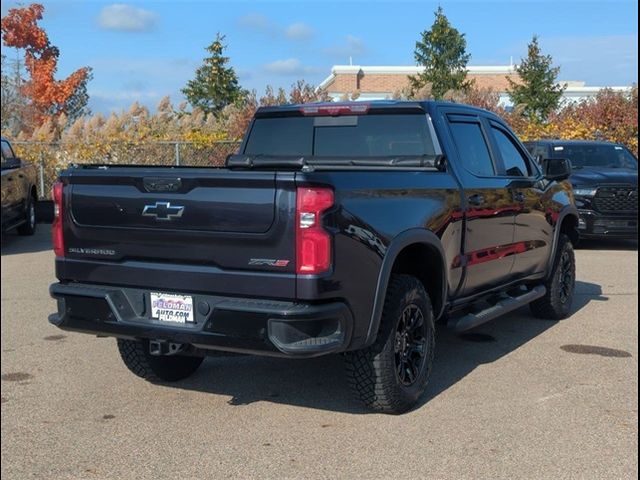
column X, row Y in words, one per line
column 258, row 23
column 126, row 18
column 299, row 31
column 351, row 47
column 288, row 67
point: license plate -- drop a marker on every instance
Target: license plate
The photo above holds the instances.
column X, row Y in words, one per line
column 168, row 307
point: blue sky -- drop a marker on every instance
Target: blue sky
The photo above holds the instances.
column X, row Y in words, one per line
column 142, row 51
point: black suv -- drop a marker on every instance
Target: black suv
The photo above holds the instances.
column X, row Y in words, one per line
column 605, row 184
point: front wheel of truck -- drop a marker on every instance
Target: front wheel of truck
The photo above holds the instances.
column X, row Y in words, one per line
column 391, row 375
column 556, row 304
column 169, row 368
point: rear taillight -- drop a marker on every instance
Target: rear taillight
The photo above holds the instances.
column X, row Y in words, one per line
column 56, row 226
column 313, row 243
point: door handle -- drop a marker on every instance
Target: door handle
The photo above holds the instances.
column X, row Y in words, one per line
column 519, row 197
column 476, row 199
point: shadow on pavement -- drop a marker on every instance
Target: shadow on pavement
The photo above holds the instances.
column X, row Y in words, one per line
column 13, row 244
column 320, row 383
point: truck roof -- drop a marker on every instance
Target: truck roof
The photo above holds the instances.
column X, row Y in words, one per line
column 402, row 105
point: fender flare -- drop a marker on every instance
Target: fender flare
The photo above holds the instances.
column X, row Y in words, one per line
column 399, row 242
column 565, row 212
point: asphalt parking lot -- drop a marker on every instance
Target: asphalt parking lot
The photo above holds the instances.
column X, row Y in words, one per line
column 518, row 398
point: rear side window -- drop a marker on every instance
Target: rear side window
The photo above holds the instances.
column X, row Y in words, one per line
column 472, row 148
column 7, row 153
column 373, row 135
column 515, row 163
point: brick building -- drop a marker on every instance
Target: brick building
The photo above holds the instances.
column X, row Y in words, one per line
column 380, row 82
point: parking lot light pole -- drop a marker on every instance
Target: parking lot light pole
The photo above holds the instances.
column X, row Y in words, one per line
column 41, row 175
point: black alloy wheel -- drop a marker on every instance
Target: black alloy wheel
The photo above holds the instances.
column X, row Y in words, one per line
column 410, row 345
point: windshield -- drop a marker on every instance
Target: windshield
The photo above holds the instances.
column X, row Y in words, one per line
column 374, row 135
column 597, row 156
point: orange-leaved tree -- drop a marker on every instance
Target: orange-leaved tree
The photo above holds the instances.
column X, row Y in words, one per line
column 49, row 97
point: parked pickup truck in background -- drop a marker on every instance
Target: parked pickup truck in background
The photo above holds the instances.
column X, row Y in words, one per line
column 19, row 195
column 341, row 227
column 605, row 184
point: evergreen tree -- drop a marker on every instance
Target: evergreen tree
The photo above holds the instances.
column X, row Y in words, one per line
column 216, row 84
column 442, row 51
column 538, row 92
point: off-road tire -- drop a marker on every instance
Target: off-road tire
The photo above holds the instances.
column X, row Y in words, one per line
column 29, row 227
column 372, row 372
column 556, row 303
column 168, row 368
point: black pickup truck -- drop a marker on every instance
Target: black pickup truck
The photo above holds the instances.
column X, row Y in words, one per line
column 19, row 194
column 605, row 184
column 341, row 227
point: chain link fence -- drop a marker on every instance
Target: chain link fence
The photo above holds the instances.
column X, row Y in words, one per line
column 51, row 158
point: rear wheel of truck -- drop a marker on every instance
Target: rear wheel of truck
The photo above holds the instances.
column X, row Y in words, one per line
column 169, row 368
column 29, row 226
column 556, row 303
column 390, row 375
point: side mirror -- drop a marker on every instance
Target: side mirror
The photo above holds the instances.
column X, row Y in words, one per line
column 556, row 168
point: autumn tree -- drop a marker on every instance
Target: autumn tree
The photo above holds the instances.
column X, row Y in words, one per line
column 49, row 97
column 442, row 51
column 270, row 98
column 537, row 92
column 215, row 84
column 15, row 110
column 485, row 98
column 303, row 92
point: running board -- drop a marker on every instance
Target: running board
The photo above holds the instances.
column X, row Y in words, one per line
column 506, row 305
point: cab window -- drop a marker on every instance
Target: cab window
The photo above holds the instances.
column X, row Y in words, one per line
column 472, row 148
column 514, row 160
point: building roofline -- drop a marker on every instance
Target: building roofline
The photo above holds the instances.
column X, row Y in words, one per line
column 413, row 69
column 408, row 70
column 580, row 88
column 573, row 87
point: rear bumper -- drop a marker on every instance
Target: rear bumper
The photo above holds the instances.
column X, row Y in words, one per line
column 597, row 225
column 264, row 327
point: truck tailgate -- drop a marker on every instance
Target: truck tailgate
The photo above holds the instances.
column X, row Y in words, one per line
column 179, row 219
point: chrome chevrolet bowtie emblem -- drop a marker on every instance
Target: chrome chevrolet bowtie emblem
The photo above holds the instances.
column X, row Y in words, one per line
column 163, row 211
